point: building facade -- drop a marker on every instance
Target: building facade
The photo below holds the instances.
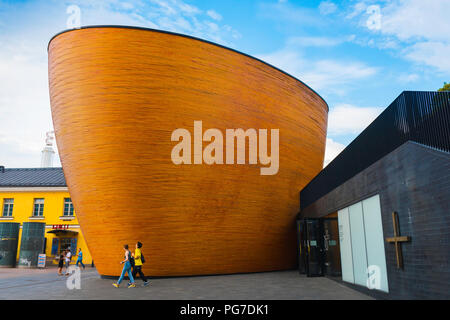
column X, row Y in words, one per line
column 377, row 218
column 39, row 196
column 116, row 124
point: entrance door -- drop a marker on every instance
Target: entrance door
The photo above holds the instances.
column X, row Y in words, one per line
column 302, row 246
column 331, row 250
column 318, row 245
column 314, row 241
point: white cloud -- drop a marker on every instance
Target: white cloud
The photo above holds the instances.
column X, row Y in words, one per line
column 408, row 78
column 327, row 7
column 427, row 24
column 422, row 28
column 349, row 119
column 379, row 42
column 186, row 8
column 127, row 6
column 177, row 16
column 25, row 114
column 332, row 150
column 170, row 15
column 24, row 108
column 214, row 15
column 24, row 101
column 331, row 72
column 388, row 44
column 314, row 41
column 330, row 75
column 346, row 119
column 234, row 33
column 417, row 19
column 358, row 8
column 432, row 53
column 286, row 12
column 174, row 7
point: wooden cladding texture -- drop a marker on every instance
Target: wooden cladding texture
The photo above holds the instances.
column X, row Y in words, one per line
column 117, row 94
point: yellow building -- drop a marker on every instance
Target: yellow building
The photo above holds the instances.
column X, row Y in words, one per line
column 41, row 195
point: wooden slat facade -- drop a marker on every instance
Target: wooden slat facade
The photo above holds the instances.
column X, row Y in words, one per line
column 117, row 94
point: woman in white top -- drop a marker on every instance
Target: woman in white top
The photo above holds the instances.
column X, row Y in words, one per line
column 68, row 257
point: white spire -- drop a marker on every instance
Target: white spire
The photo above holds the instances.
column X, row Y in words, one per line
column 47, row 152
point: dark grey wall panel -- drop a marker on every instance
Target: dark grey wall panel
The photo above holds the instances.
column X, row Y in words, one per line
column 413, row 180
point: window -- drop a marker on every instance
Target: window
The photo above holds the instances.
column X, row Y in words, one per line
column 55, row 246
column 38, row 210
column 69, row 243
column 68, row 207
column 8, row 205
column 361, row 238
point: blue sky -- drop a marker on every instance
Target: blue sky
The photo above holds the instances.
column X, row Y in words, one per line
column 358, row 55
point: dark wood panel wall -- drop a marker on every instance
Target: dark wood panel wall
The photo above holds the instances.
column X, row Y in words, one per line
column 414, row 181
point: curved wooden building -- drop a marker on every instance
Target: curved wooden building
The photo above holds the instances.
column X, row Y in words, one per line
column 118, row 93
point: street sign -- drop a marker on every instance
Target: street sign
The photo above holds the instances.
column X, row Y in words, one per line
column 41, row 261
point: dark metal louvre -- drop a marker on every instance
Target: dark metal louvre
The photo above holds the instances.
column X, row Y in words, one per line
column 419, row 116
column 32, row 243
column 9, row 238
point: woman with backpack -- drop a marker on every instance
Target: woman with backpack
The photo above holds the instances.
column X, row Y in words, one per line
column 126, row 269
column 138, row 262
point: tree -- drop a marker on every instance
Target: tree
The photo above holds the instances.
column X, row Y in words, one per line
column 446, row 87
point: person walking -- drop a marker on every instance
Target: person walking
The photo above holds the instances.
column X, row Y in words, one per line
column 61, row 262
column 80, row 258
column 127, row 262
column 68, row 258
column 138, row 262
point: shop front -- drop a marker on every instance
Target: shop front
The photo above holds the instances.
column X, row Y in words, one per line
column 63, row 239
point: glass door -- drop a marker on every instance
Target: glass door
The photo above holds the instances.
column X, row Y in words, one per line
column 332, row 256
column 314, row 242
column 302, row 247
column 318, row 247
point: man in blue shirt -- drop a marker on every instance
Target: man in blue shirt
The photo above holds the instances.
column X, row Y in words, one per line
column 80, row 258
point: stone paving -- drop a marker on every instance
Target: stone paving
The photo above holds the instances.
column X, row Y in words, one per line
column 286, row 285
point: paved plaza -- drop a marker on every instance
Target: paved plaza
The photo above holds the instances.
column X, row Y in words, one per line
column 46, row 284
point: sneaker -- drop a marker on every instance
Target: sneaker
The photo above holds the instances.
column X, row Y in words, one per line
column 132, row 285
column 115, row 285
column 146, row 283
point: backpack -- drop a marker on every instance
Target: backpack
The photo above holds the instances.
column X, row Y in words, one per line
column 142, row 258
column 130, row 258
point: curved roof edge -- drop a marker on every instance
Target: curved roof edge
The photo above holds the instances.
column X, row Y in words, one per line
column 190, row 37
